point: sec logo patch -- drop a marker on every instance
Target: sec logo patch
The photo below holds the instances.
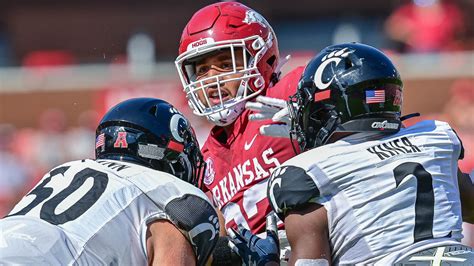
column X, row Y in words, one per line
column 210, row 172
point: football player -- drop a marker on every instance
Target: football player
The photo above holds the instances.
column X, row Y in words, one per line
column 367, row 190
column 228, row 55
column 136, row 203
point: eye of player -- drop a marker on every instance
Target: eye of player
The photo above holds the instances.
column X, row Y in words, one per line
column 221, row 62
column 202, row 70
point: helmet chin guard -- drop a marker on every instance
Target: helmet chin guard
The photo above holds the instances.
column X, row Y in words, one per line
column 227, row 116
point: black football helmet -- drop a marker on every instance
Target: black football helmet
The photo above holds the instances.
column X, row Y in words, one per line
column 153, row 133
column 346, row 88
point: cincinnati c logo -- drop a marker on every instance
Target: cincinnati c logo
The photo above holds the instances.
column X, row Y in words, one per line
column 178, row 126
column 274, row 181
column 336, row 57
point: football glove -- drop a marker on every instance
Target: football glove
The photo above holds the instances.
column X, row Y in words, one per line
column 255, row 250
column 274, row 109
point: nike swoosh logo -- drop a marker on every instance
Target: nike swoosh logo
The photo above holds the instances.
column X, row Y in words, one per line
column 248, row 145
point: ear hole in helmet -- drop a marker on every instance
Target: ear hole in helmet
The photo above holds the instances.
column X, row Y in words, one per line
column 182, row 168
column 314, row 118
column 153, row 110
column 348, row 63
column 271, row 60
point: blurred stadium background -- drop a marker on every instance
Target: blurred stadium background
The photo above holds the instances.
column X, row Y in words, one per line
column 63, row 63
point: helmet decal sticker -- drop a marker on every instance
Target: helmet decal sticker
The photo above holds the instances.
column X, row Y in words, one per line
column 254, row 17
column 384, row 125
column 200, row 42
column 100, row 141
column 151, row 151
column 336, row 57
column 121, row 141
column 375, row 96
column 176, row 146
column 398, row 99
column 178, row 125
column 319, row 96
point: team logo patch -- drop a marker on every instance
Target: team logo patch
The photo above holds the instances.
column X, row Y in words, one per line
column 121, row 141
column 210, row 172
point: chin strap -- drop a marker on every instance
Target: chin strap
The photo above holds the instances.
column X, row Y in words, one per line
column 326, row 131
column 277, row 73
column 408, row 116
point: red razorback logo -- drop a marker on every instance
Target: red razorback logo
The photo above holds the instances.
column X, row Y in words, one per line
column 121, row 141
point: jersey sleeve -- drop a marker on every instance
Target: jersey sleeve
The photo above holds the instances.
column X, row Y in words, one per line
column 290, row 188
column 197, row 219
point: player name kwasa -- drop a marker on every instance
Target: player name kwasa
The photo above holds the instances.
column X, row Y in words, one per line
column 394, row 147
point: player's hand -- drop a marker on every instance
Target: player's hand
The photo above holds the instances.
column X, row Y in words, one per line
column 255, row 250
column 274, row 109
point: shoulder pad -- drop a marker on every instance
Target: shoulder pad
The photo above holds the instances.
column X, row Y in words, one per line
column 198, row 219
column 290, row 187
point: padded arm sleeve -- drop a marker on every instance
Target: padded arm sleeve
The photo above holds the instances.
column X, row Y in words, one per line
column 289, row 188
column 197, row 219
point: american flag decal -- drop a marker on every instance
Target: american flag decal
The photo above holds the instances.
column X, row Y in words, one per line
column 377, row 96
column 100, row 141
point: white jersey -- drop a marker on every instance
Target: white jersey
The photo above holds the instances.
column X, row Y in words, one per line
column 382, row 195
column 96, row 213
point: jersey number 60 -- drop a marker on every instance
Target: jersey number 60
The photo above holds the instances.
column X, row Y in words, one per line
column 41, row 193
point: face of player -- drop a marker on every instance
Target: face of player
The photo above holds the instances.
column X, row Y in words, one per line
column 217, row 64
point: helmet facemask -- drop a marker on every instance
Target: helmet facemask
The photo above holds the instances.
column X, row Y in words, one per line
column 312, row 123
column 222, row 108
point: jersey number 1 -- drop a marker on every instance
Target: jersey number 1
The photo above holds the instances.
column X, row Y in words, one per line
column 42, row 193
column 424, row 203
